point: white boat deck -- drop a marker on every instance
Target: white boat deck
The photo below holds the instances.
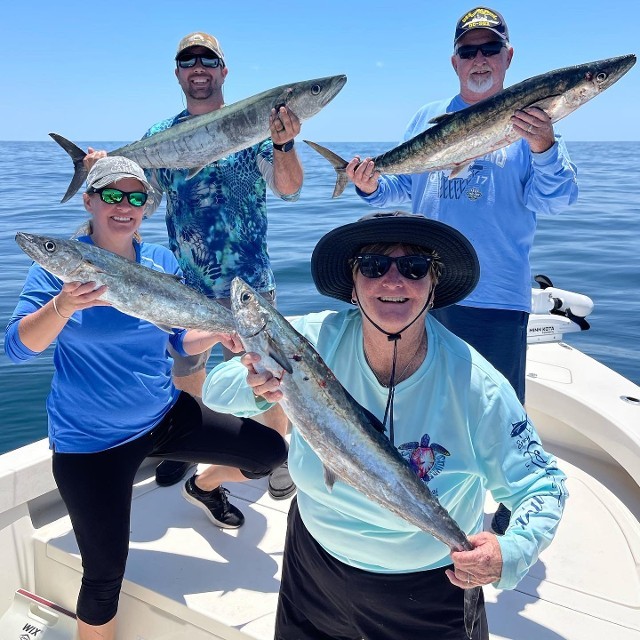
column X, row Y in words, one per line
column 226, row 582
column 186, row 578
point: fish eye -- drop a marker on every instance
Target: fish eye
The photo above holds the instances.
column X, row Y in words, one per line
column 315, row 89
column 49, row 246
column 246, row 297
column 601, row 77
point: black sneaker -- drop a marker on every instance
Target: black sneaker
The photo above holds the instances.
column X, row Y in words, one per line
column 500, row 520
column 215, row 504
column 281, row 486
column 169, row 472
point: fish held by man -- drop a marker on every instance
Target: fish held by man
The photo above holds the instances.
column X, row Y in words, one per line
column 336, row 426
column 160, row 298
column 203, row 139
column 455, row 139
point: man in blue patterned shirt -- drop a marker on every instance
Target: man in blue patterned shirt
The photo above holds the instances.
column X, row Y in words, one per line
column 217, row 220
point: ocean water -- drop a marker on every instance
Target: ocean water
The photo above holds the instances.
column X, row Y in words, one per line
column 592, row 248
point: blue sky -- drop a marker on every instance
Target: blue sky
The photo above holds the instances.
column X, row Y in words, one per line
column 104, row 71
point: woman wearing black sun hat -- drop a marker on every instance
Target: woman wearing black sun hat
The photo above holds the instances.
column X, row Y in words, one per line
column 351, row 568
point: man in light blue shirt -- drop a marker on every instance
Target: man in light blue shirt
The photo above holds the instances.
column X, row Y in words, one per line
column 494, row 202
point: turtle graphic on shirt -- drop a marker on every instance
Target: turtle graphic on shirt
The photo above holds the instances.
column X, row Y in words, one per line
column 426, row 458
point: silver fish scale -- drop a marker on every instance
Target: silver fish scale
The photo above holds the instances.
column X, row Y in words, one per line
column 133, row 289
column 334, row 425
column 456, row 138
column 337, row 429
column 203, row 139
column 485, row 126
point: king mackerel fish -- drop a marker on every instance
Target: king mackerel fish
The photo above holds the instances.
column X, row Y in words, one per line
column 201, row 140
column 160, row 298
column 335, row 426
column 455, row 139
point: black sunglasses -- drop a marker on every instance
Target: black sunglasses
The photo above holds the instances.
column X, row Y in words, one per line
column 375, row 265
column 115, row 196
column 488, row 49
column 189, row 60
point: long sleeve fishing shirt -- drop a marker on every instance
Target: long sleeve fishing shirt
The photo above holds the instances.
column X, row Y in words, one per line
column 457, row 422
column 494, row 203
column 112, row 374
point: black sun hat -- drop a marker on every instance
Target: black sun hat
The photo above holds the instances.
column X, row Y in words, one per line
column 331, row 269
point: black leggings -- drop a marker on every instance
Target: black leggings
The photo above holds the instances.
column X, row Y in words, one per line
column 97, row 487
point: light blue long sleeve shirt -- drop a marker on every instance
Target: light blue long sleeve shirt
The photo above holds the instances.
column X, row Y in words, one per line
column 460, row 425
column 494, row 203
column 112, row 373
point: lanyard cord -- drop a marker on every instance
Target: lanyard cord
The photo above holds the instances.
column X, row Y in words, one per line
column 393, row 337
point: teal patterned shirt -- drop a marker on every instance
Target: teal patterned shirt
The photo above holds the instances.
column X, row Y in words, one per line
column 217, row 220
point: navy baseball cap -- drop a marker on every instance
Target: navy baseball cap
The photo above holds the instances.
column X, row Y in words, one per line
column 481, row 18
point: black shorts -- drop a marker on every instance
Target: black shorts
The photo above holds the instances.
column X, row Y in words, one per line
column 322, row 598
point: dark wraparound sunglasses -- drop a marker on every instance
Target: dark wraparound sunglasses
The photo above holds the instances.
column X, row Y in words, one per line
column 488, row 49
column 115, row 196
column 374, row 265
column 188, row 61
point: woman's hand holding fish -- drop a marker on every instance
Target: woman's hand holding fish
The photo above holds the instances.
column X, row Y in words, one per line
column 482, row 565
column 263, row 384
column 40, row 328
column 198, row 341
column 75, row 296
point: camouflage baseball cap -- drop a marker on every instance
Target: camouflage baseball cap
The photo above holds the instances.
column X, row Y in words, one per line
column 481, row 18
column 200, row 39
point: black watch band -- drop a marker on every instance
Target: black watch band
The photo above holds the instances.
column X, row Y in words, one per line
column 287, row 146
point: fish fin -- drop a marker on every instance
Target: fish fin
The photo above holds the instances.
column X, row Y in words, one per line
column 195, row 171
column 341, row 183
column 275, row 353
column 95, row 267
column 443, row 117
column 329, row 478
column 550, row 104
column 338, row 163
column 471, row 597
column 458, row 169
column 77, row 156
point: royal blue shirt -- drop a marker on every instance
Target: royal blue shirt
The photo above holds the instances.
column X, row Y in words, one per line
column 112, row 373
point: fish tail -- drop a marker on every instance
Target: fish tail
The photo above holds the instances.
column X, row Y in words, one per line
column 77, row 156
column 471, row 597
column 338, row 163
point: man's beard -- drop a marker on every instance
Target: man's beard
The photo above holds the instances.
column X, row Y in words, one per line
column 201, row 94
column 480, row 84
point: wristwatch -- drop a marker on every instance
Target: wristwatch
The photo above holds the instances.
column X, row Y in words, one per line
column 287, row 146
